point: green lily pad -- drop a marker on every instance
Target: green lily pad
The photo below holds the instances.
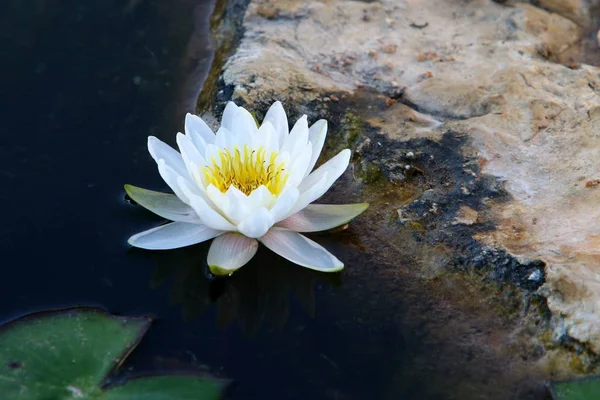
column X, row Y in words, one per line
column 584, row 389
column 165, row 388
column 68, row 354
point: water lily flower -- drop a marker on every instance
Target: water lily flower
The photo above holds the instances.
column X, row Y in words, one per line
column 244, row 185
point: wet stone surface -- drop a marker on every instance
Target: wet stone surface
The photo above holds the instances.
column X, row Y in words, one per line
column 474, row 132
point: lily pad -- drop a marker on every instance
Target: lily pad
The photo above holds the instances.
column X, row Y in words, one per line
column 68, row 354
column 584, row 389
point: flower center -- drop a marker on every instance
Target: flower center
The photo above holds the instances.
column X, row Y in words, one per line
column 246, row 169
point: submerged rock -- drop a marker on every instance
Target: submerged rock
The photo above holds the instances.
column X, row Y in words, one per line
column 478, row 113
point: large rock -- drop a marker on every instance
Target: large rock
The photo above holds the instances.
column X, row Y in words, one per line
column 488, row 71
column 578, row 11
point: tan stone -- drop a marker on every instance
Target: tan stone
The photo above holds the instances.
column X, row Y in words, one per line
column 558, row 33
column 466, row 216
column 536, row 123
column 575, row 10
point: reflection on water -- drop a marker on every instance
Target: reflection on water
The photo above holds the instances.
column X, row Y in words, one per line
column 259, row 292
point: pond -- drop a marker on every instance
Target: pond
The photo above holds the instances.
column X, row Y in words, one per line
column 84, row 84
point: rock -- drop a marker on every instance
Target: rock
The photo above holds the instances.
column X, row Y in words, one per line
column 577, row 11
column 466, row 216
column 363, row 146
column 558, row 33
column 485, row 72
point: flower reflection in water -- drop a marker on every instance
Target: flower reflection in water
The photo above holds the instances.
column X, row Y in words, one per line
column 261, row 291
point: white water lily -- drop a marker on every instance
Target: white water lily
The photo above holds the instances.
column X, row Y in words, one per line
column 244, row 185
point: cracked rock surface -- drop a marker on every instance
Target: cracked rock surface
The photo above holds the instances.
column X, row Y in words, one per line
column 504, row 76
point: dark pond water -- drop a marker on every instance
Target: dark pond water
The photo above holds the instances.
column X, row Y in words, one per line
column 83, row 84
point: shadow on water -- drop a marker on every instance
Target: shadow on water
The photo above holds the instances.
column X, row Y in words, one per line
column 261, row 292
column 84, row 84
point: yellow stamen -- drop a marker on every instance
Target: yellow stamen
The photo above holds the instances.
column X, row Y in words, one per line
column 246, row 170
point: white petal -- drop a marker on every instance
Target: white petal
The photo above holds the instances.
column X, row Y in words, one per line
column 165, row 205
column 256, row 224
column 160, row 150
column 241, row 137
column 197, row 173
column 301, row 250
column 299, row 166
column 200, row 144
column 223, row 138
column 217, row 197
column 190, row 154
column 238, row 200
column 232, row 203
column 244, row 123
column 284, row 203
column 208, row 215
column 267, row 137
column 213, row 153
column 297, row 140
column 320, row 217
column 308, row 196
column 283, row 158
column 173, row 236
column 260, row 197
column 276, row 115
column 333, row 168
column 198, row 131
column 170, row 176
column 229, row 115
column 198, row 190
column 316, row 136
column 229, row 252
